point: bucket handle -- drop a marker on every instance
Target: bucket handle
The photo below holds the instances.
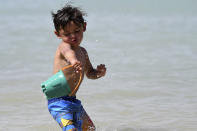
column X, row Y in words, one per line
column 80, row 79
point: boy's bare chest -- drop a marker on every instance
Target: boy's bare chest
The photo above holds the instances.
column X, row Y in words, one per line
column 81, row 56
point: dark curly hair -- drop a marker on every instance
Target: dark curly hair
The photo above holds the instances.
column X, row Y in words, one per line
column 67, row 14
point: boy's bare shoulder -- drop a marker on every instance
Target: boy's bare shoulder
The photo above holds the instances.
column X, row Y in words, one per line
column 63, row 48
column 83, row 50
column 63, row 45
column 60, row 46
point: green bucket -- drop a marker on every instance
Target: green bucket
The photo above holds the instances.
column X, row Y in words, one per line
column 56, row 86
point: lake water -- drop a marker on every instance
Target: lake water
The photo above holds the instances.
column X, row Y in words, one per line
column 149, row 48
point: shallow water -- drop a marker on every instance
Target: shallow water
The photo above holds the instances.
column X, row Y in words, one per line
column 149, row 49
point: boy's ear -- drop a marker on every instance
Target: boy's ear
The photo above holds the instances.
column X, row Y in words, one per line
column 84, row 26
column 56, row 33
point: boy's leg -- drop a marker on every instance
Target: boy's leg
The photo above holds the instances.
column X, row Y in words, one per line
column 87, row 125
column 62, row 115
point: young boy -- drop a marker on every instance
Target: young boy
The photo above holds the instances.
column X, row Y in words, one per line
column 67, row 110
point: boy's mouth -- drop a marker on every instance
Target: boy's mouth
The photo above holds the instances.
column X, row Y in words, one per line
column 74, row 41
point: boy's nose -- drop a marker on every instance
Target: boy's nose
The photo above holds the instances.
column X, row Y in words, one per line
column 72, row 35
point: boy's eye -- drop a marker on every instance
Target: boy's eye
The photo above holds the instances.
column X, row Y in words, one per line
column 75, row 31
column 67, row 34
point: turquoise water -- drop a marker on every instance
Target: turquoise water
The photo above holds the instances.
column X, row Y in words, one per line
column 149, row 48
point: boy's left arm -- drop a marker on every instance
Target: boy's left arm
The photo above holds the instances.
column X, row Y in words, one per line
column 92, row 73
column 96, row 73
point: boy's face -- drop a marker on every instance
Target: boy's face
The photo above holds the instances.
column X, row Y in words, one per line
column 71, row 34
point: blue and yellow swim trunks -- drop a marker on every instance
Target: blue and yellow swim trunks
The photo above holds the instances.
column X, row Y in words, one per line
column 68, row 112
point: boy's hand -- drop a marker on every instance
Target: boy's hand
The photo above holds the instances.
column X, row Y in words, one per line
column 77, row 65
column 101, row 70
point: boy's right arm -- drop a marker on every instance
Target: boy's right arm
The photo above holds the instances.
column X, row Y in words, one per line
column 69, row 54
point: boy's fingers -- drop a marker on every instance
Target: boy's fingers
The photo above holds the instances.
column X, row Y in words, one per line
column 101, row 67
column 78, row 68
column 77, row 64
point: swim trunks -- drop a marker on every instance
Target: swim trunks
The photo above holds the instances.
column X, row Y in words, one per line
column 68, row 112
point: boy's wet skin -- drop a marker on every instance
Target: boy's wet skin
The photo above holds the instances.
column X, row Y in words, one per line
column 72, row 34
column 69, row 27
